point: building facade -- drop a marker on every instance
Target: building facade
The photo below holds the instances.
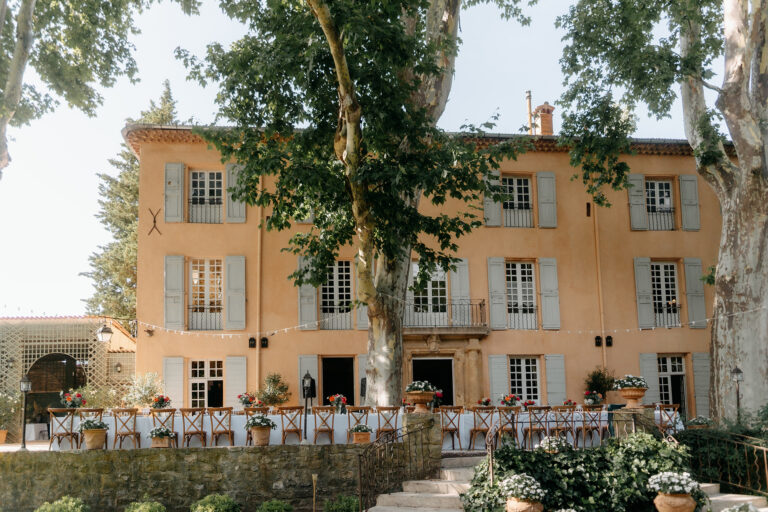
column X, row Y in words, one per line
column 549, row 289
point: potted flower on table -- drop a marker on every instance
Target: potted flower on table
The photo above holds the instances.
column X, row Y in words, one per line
column 632, row 389
column 361, row 434
column 340, row 402
column 593, row 398
column 249, row 400
column 260, row 425
column 420, row 393
column 71, row 401
column 674, row 490
column 160, row 402
column 161, row 437
column 569, row 402
column 523, row 493
column 95, row 434
column 528, row 403
column 510, row 400
column 484, row 402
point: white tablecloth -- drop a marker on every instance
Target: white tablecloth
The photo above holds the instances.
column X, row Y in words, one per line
column 36, row 431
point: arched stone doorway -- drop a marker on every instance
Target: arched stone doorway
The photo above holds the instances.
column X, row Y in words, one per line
column 50, row 375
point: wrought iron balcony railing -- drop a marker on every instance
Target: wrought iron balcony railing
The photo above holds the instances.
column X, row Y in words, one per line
column 204, row 210
column 667, row 315
column 661, row 218
column 518, row 215
column 205, row 318
column 446, row 313
column 333, row 317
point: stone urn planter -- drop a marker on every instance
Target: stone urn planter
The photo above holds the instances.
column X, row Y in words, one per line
column 161, row 442
column 95, row 438
column 361, row 437
column 633, row 396
column 420, row 399
column 260, row 436
column 674, row 502
column 3, row 435
column 517, row 505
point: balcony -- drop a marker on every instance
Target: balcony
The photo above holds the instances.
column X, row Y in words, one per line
column 205, row 318
column 667, row 315
column 335, row 318
column 518, row 215
column 661, row 218
column 447, row 319
column 204, row 210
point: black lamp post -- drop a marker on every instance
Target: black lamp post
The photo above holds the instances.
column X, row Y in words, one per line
column 25, row 385
column 309, row 392
column 737, row 376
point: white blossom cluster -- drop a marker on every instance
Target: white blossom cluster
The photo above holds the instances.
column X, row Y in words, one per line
column 630, row 381
column 746, row 507
column 522, row 487
column 419, row 385
column 565, row 510
column 554, row 444
column 699, row 420
column 160, row 432
column 673, row 483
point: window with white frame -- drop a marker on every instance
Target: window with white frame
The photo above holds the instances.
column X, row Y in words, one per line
column 206, row 190
column 666, row 307
column 430, row 304
column 518, row 205
column 524, row 377
column 206, row 297
column 658, row 204
column 521, row 295
column 206, row 383
column 672, row 381
column 336, row 297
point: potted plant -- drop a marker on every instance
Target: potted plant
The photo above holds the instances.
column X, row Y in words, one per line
column 569, row 402
column 674, row 491
column 260, row 425
column 593, row 398
column 523, row 493
column 71, row 400
column 632, row 389
column 161, row 437
column 420, row 393
column 340, row 402
column 10, row 406
column 485, row 401
column 95, row 433
column 527, row 403
column 249, row 400
column 160, row 402
column 361, row 434
column 554, row 444
column 510, row 400
column 698, row 423
column 437, row 400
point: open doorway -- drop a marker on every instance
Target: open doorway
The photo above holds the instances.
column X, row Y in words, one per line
column 438, row 372
column 338, row 378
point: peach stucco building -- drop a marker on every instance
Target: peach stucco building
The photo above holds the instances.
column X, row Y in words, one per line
column 551, row 288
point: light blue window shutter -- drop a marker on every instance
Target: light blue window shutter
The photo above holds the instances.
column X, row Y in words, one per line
column 174, row 292
column 638, row 214
column 689, row 200
column 461, row 311
column 409, row 317
column 644, row 294
column 701, row 382
column 492, row 209
column 694, row 294
column 547, row 197
column 649, row 368
column 307, row 303
column 235, row 209
column 498, row 375
column 550, row 296
column 235, row 379
column 555, row 364
column 173, row 380
column 174, row 192
column 362, row 368
column 309, row 363
column 235, row 293
column 497, row 292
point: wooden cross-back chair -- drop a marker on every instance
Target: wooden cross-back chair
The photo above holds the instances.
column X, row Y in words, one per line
column 387, row 417
column 482, row 419
column 165, row 418
column 290, row 421
column 63, row 427
column 125, row 427
column 324, row 415
column 221, row 424
column 668, row 418
column 509, row 420
column 591, row 424
column 249, row 413
column 356, row 416
column 450, row 423
column 562, row 419
column 538, row 416
column 192, row 424
column 91, row 414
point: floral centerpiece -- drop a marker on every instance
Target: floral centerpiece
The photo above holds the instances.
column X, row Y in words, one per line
column 674, row 491
column 554, row 444
column 485, row 401
column 71, row 401
column 523, row 492
column 569, row 402
column 160, row 402
column 699, row 422
column 260, row 425
column 437, row 401
column 361, row 433
column 95, row 434
column 593, row 398
column 420, row 393
column 249, row 400
column 510, row 400
column 340, row 402
column 527, row 403
column 161, row 437
column 632, row 389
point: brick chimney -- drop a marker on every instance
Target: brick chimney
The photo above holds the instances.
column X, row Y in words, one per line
column 545, row 118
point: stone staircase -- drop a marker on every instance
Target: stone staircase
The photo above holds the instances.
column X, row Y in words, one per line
column 720, row 501
column 432, row 495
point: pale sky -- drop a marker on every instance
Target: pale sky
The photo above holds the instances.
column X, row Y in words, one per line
column 49, row 195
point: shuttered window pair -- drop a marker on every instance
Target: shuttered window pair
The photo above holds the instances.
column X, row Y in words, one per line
column 521, row 375
column 209, row 195
column 209, row 302
column 513, row 295
column 650, row 366
column 657, row 296
column 434, row 306
column 201, row 373
column 330, row 306
column 516, row 210
column 652, row 203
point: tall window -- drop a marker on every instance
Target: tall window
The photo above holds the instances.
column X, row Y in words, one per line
column 521, row 296
column 518, row 210
column 430, row 305
column 205, row 197
column 672, row 381
column 206, row 382
column 524, row 377
column 658, row 204
column 336, row 297
column 666, row 306
column 206, row 294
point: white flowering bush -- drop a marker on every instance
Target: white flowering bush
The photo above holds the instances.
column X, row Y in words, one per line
column 259, row 420
column 554, row 444
column 746, row 507
column 143, row 389
column 160, row 432
column 522, row 487
column 670, row 482
column 419, row 385
column 630, row 381
column 10, row 409
column 699, row 420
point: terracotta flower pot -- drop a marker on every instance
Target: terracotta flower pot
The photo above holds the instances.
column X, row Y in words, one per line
column 361, row 437
column 420, row 399
column 161, row 442
column 260, row 436
column 516, row 505
column 633, row 396
column 674, row 502
column 95, row 438
column 3, row 435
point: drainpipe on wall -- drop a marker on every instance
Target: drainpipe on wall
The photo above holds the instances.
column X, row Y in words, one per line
column 259, row 244
column 598, row 269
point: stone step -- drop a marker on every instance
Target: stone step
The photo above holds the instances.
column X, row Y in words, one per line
column 722, row 501
column 420, row 500
column 379, row 508
column 460, row 474
column 436, row 486
column 710, row 489
column 460, row 462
